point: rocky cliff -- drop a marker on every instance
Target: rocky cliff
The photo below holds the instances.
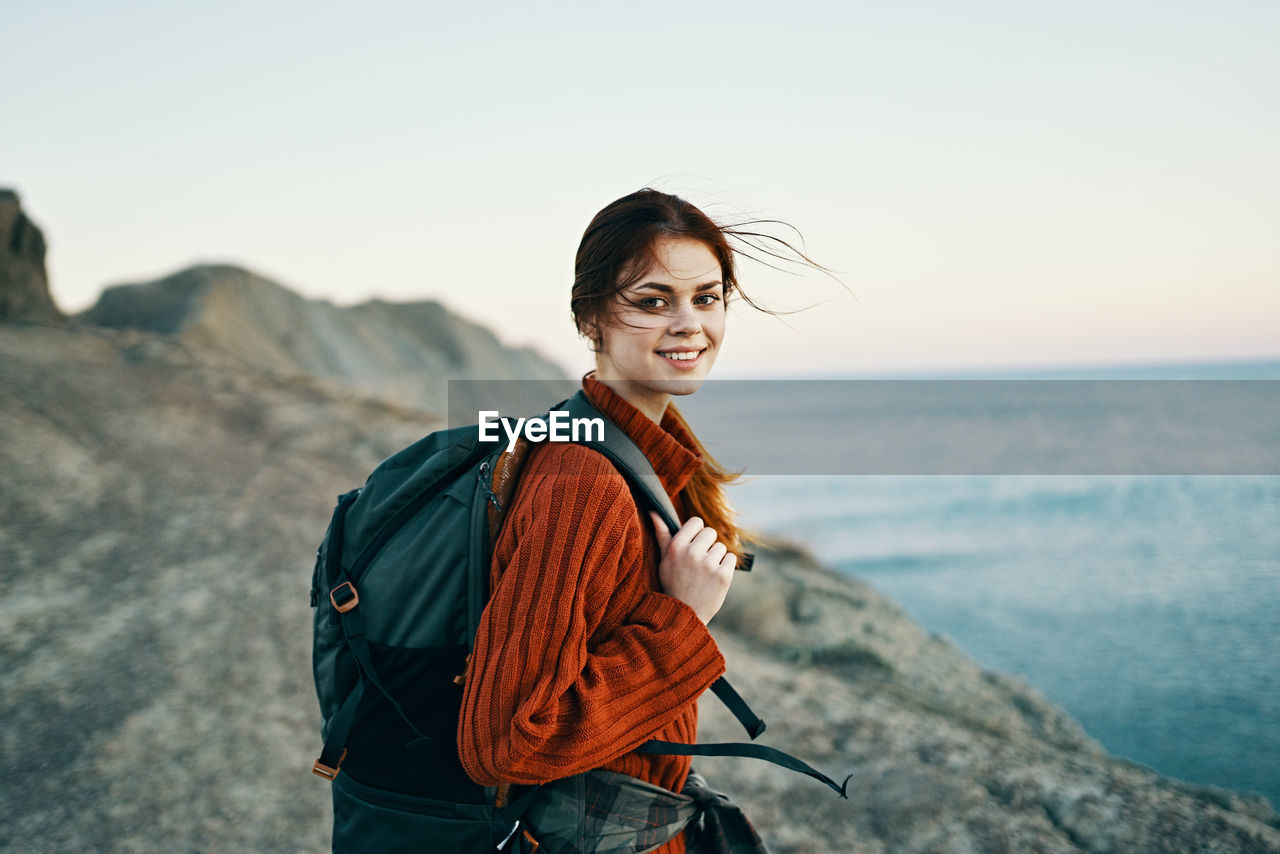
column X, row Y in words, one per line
column 162, row 498
column 24, row 283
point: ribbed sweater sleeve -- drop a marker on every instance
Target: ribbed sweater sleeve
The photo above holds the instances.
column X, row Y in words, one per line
column 559, row 682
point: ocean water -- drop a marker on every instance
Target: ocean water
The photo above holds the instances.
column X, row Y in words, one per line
column 1146, row 606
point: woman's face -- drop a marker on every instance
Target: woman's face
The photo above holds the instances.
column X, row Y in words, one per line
column 666, row 330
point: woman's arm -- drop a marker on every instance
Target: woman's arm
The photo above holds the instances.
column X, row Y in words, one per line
column 550, row 690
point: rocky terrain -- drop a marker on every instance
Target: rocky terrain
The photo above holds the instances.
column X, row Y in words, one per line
column 402, row 352
column 163, row 493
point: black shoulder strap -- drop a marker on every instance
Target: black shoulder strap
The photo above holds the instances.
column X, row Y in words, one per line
column 751, row 751
column 626, row 457
column 633, row 464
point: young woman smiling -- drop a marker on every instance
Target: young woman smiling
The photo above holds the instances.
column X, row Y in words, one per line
column 595, row 639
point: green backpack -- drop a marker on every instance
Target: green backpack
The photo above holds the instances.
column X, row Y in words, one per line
column 399, row 584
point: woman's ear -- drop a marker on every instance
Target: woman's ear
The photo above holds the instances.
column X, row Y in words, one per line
column 589, row 330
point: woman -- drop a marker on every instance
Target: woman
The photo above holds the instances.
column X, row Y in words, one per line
column 595, row 639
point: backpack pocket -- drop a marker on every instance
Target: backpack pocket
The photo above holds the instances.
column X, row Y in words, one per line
column 367, row 820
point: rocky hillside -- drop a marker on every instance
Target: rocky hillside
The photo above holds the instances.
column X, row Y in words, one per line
column 160, row 516
column 402, row 352
column 162, row 499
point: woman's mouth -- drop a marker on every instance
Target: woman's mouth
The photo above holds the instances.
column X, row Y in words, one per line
column 682, row 359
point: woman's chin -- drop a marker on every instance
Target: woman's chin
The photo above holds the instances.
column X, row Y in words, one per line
column 678, row 386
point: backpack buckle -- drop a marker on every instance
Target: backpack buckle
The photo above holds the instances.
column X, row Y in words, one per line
column 349, row 597
column 461, row 678
column 322, row 770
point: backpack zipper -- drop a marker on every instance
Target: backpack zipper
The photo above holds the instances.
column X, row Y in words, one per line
column 483, row 474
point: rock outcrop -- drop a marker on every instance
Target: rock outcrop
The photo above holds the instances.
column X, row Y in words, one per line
column 401, row 352
column 24, row 282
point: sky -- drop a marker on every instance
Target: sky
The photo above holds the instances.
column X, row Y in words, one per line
column 995, row 183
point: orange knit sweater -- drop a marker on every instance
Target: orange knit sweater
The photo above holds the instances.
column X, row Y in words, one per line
column 579, row 657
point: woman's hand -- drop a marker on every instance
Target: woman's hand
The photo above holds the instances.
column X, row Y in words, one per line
column 695, row 568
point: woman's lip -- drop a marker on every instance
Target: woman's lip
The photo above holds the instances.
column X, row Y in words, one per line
column 683, row 364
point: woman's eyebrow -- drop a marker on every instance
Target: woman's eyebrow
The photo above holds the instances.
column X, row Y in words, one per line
column 658, row 286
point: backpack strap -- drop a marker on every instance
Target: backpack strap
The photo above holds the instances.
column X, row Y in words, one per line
column 751, row 751
column 345, row 599
column 734, row 703
column 626, row 457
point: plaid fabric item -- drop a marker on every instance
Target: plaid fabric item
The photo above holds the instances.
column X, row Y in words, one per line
column 603, row 812
column 723, row 828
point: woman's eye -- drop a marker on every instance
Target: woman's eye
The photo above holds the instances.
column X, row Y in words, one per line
column 710, row 299
column 653, row 302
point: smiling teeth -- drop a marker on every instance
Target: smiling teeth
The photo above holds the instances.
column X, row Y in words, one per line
column 681, row 357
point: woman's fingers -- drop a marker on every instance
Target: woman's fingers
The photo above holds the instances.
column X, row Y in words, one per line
column 694, row 536
column 690, row 529
column 703, row 542
column 695, row 567
column 660, row 528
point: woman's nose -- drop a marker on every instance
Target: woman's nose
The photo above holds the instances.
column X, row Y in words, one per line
column 684, row 320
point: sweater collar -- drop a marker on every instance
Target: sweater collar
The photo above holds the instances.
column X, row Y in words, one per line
column 670, row 449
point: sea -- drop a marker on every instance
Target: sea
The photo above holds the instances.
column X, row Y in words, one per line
column 1146, row 605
